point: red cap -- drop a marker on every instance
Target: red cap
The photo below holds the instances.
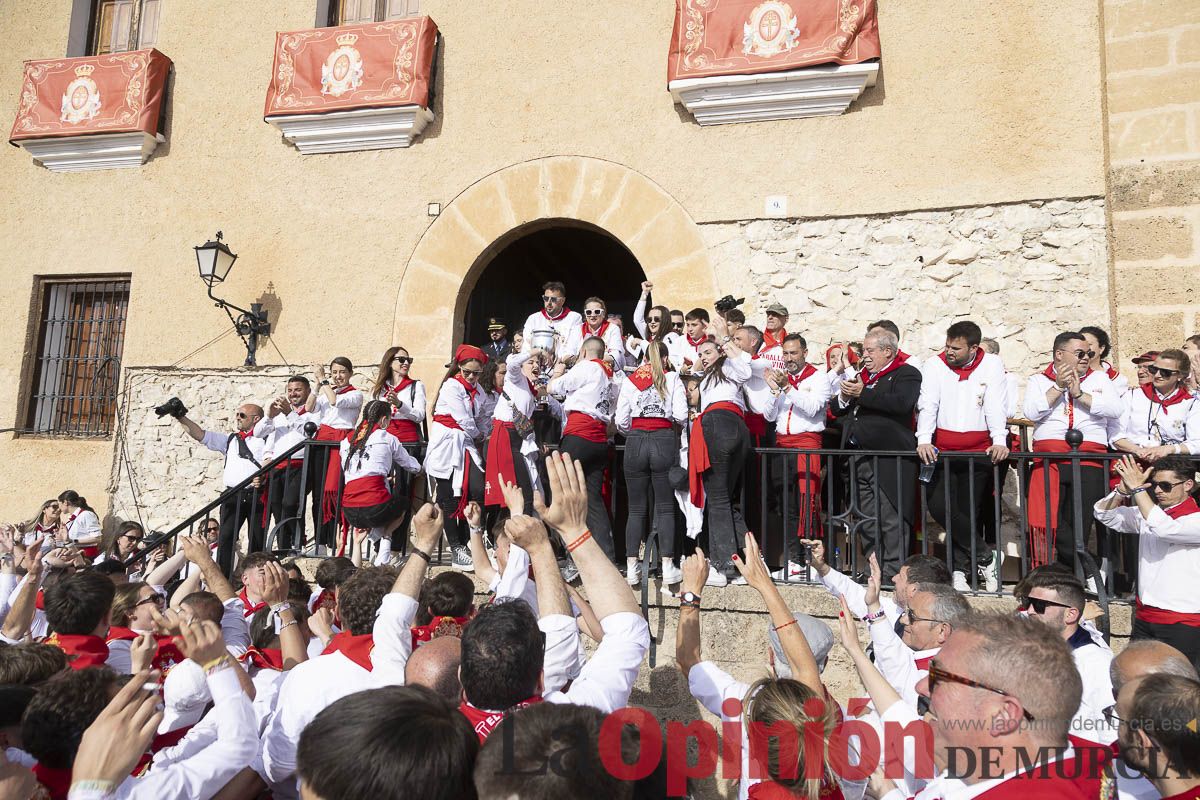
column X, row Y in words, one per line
column 469, row 352
column 1145, row 357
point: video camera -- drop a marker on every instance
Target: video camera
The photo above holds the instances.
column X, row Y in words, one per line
column 174, row 407
column 728, row 303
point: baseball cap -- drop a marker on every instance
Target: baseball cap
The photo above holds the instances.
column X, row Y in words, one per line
column 777, row 309
column 820, row 641
column 1145, row 357
column 495, row 324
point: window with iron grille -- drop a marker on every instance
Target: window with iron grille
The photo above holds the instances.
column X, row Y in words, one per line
column 77, row 361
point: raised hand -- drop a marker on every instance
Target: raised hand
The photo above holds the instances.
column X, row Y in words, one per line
column 112, row 745
column 275, row 584
column 167, row 621
column 1132, row 475
column 816, row 552
column 321, row 623
column 514, row 498
column 753, row 569
column 474, row 515
column 874, row 582
column 527, row 533
column 141, row 652
column 201, row 641
column 849, row 631
column 695, row 573
column 427, row 526
column 195, row 548
column 568, row 487
column 646, row 287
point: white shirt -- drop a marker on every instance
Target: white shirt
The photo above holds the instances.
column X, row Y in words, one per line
column 343, row 413
column 237, row 469
column 759, row 397
column 285, row 431
column 588, row 389
column 379, row 456
column 682, row 352
column 648, row 403
column 802, row 408
column 86, row 524
column 207, row 771
column 611, row 337
column 516, row 386
column 736, row 371
column 1148, row 423
column 538, row 321
column 444, row 456
column 1092, row 660
column 773, row 356
column 1168, row 555
column 898, row 663
column 607, row 679
column 410, row 402
column 974, row 404
column 1052, row 423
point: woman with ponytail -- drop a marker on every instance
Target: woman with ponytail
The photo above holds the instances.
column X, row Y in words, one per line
column 453, row 458
column 336, row 403
column 406, row 395
column 368, row 457
column 80, row 522
column 651, row 407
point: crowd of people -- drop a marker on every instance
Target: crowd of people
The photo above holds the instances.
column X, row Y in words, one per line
column 208, row 672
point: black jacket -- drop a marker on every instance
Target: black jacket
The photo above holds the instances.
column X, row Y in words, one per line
column 497, row 351
column 882, row 418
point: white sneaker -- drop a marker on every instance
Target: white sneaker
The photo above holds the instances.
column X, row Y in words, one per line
column 740, row 580
column 795, row 571
column 461, row 559
column 960, row 582
column 716, row 578
column 991, row 573
column 1091, row 585
column 671, row 574
column 633, row 572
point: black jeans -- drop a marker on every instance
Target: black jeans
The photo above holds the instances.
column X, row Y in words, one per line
column 791, row 511
column 593, row 457
column 1184, row 638
column 240, row 507
column 728, row 443
column 286, row 500
column 1093, row 485
column 961, row 512
column 649, row 456
column 457, row 531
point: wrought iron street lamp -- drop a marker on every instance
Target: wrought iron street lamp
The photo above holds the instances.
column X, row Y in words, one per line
column 215, row 259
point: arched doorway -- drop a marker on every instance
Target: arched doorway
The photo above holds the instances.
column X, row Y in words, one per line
column 591, row 262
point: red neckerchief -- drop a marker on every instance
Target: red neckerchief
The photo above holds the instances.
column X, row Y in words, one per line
column 344, row 389
column 399, row 387
column 1110, row 371
column 265, row 658
column 251, row 608
column 245, row 434
column 696, row 342
column 300, row 410
column 896, row 364
column 166, row 654
column 902, row 356
column 1051, row 373
column 642, row 377
column 437, row 628
column 57, row 782
column 964, row 372
column 799, row 378
column 565, row 311
column 40, row 601
column 770, row 341
column 356, row 648
column 82, row 651
column 1178, row 396
column 471, row 388
column 1178, row 510
column 587, row 331
column 484, row 722
column 604, row 365
column 39, row 528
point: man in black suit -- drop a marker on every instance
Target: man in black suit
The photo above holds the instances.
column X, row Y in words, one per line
column 878, row 407
column 498, row 348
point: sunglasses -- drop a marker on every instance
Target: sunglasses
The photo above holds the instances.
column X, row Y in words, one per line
column 1110, row 716
column 677, row 326
column 213, row 529
column 403, row 360
column 472, row 372
column 156, row 599
column 597, row 313
column 1162, row 371
column 908, row 614
column 130, row 537
column 1166, row 486
column 546, row 298
column 1038, row 605
column 938, row 675
column 1081, row 354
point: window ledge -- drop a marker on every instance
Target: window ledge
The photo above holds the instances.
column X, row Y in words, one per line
column 359, row 129
column 795, row 94
column 91, row 152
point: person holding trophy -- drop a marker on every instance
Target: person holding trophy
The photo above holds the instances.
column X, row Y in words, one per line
column 513, row 452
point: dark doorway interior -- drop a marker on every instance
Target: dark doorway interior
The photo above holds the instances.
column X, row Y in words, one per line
column 588, row 261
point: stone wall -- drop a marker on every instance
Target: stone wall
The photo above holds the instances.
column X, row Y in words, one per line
column 1023, row 271
column 1152, row 52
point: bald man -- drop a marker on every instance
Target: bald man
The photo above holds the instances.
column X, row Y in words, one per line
column 1139, row 659
column 244, row 452
column 434, row 665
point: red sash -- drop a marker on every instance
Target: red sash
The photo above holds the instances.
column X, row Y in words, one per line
column 356, row 648
column 1163, row 616
column 650, row 423
column 962, row 441
column 166, row 653
column 251, row 608
column 1043, row 510
column 82, row 651
column 450, row 422
column 586, row 427
column 266, row 658
column 447, row 421
column 757, row 425
column 405, row 430
column 367, row 491
column 437, row 628
column 962, row 372
column 333, row 472
column 484, row 722
column 698, row 461
column 808, row 479
column 501, row 463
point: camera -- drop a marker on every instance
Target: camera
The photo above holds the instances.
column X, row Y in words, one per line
column 174, row 407
column 728, row 303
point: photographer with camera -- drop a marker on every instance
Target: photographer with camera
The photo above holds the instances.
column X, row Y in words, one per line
column 245, row 453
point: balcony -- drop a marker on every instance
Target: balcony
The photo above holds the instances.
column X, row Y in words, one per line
column 354, row 87
column 96, row 112
column 749, row 60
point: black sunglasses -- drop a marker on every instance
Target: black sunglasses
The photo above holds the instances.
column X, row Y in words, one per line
column 1166, row 486
column 1039, row 605
column 677, row 326
column 1085, row 353
column 938, row 675
column 907, row 613
column 1110, row 716
column 1163, row 371
column 213, row 529
column 551, row 299
column 403, row 359
column 156, row 599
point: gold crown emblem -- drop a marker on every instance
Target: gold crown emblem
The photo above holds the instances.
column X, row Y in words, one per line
column 347, row 39
column 84, row 70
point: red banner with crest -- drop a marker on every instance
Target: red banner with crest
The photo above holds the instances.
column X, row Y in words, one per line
column 376, row 65
column 115, row 93
column 746, row 37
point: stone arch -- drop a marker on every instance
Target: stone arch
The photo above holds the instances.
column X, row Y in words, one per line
column 455, row 249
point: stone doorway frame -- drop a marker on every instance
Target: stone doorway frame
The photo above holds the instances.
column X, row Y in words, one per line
column 558, row 190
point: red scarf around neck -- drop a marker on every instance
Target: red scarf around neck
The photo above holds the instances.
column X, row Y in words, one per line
column 770, row 341
column 964, row 372
column 82, row 651
column 803, row 375
column 599, row 332
column 251, row 608
column 1178, row 510
column 344, row 390
column 1178, row 396
column 561, row 314
column 472, row 389
column 895, row 365
column 484, row 722
column 696, row 342
column 265, row 658
column 399, row 387
column 356, row 648
column 604, row 365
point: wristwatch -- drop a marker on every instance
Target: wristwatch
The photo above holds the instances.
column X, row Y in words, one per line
column 689, row 600
column 325, row 383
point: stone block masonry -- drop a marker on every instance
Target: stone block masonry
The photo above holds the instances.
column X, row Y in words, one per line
column 1023, row 271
